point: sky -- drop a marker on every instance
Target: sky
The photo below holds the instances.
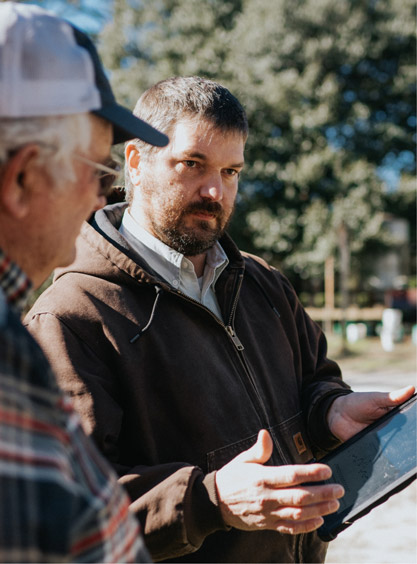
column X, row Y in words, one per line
column 89, row 16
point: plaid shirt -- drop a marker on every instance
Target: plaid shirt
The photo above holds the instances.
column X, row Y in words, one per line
column 59, row 499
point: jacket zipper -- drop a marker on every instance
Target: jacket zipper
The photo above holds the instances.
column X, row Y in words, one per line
column 235, row 338
column 299, row 539
column 238, row 346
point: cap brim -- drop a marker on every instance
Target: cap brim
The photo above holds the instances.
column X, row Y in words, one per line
column 126, row 126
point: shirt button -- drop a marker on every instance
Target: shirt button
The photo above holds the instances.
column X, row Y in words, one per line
column 175, row 283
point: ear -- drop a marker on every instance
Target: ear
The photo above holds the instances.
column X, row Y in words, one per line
column 16, row 178
column 132, row 157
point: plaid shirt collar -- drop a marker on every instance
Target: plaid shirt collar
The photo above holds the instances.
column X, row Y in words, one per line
column 14, row 283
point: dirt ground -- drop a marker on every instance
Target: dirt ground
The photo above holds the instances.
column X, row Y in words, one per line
column 388, row 534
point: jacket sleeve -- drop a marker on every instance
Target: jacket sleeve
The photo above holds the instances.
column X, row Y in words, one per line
column 176, row 503
column 322, row 380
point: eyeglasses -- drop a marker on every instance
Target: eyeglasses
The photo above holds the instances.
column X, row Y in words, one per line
column 106, row 174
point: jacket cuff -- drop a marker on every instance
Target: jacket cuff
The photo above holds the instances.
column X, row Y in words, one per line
column 204, row 516
column 319, row 430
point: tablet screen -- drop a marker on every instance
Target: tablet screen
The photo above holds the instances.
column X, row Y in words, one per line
column 372, row 465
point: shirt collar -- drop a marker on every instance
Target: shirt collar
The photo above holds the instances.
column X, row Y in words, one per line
column 14, row 283
column 154, row 244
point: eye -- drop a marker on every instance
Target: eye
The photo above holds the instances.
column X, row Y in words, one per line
column 232, row 172
column 190, row 164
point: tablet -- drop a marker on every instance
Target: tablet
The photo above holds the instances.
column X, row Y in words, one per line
column 372, row 466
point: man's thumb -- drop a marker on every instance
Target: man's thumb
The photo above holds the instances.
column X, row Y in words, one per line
column 260, row 452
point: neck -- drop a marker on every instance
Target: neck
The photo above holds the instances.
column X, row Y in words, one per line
column 199, row 262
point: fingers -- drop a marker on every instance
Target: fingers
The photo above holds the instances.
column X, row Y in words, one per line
column 299, row 511
column 253, row 496
column 293, row 475
column 309, row 495
column 309, row 512
column 351, row 413
column 296, row 520
column 300, row 505
column 260, row 452
column 401, row 395
column 294, row 528
column 302, row 520
column 366, row 401
column 382, row 402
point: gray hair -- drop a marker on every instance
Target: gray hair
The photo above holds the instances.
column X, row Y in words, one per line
column 58, row 138
column 164, row 104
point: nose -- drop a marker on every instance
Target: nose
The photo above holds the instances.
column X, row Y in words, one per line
column 212, row 188
column 99, row 203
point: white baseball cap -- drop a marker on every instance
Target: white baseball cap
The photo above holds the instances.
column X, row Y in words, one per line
column 49, row 67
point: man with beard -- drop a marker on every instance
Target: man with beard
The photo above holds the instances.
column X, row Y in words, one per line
column 193, row 365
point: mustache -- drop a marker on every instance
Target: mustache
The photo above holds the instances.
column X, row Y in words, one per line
column 206, row 206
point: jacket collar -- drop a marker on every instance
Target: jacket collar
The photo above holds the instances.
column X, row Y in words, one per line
column 107, row 222
column 116, row 249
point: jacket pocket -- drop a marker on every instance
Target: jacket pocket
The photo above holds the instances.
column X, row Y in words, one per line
column 216, row 459
column 291, row 441
column 290, row 446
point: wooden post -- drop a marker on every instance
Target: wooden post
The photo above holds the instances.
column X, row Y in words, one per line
column 344, row 279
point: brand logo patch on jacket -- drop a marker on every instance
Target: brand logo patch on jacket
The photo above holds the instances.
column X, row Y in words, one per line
column 299, row 443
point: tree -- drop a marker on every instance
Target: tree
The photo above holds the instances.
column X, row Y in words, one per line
column 329, row 88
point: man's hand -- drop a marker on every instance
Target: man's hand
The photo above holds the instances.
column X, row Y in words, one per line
column 351, row 413
column 254, row 497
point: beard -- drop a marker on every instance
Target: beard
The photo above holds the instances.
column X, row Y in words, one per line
column 170, row 227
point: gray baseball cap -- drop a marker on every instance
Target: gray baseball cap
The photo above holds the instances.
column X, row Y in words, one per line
column 49, row 67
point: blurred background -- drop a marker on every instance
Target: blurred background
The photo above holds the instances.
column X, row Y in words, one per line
column 328, row 194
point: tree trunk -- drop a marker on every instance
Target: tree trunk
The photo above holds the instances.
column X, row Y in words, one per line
column 329, row 291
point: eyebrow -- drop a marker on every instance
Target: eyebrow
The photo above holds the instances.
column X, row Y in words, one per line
column 202, row 157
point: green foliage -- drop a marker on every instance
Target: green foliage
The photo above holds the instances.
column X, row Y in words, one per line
column 329, row 88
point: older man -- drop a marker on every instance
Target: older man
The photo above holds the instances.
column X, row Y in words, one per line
column 194, row 365
column 60, row 500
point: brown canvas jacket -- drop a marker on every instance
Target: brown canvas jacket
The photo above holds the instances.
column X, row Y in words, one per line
column 170, row 393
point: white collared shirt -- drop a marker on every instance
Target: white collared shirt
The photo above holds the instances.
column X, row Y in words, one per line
column 174, row 267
